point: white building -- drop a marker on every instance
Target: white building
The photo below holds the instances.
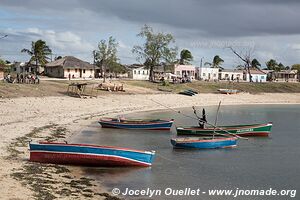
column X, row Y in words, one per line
column 231, row 75
column 208, row 74
column 139, row 73
column 256, row 75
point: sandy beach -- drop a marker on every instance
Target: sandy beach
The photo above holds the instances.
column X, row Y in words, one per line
column 58, row 118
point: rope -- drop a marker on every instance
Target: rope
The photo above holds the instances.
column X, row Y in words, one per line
column 163, row 157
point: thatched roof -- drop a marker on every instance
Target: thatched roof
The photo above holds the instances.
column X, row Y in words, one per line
column 70, row 62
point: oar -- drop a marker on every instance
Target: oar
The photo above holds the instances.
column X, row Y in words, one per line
column 216, row 120
column 178, row 111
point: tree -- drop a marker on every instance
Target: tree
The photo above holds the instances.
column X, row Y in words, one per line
column 273, row 65
column 39, row 53
column 216, row 63
column 255, row 64
column 185, row 57
column 106, row 55
column 246, row 58
column 117, row 68
column 155, row 50
column 58, row 57
column 240, row 67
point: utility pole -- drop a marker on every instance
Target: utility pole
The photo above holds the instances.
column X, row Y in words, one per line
column 201, row 62
column 94, row 63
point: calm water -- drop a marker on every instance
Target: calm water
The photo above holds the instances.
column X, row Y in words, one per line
column 259, row 163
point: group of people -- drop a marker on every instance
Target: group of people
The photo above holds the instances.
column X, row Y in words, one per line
column 22, row 78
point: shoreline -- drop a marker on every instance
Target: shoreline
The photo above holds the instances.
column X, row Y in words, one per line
column 39, row 118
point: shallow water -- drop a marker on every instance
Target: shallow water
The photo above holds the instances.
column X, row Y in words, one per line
column 257, row 163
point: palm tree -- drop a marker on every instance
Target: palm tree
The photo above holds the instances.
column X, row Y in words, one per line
column 255, row 64
column 216, row 63
column 185, row 57
column 38, row 52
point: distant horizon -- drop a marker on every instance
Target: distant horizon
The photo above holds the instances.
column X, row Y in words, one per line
column 75, row 27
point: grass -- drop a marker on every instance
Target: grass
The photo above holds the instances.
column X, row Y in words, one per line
column 212, row 87
column 59, row 88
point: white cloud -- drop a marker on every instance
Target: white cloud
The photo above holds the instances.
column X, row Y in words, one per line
column 61, row 43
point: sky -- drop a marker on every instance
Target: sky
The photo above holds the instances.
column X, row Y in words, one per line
column 269, row 29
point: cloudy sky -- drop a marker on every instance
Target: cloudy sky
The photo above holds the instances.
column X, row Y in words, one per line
column 269, row 28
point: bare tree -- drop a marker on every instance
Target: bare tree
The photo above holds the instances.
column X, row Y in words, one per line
column 246, row 58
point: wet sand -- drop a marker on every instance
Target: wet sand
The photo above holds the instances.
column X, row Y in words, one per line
column 58, row 118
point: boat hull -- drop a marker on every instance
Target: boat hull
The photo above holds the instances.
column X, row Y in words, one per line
column 160, row 125
column 205, row 144
column 88, row 155
column 228, row 91
column 262, row 130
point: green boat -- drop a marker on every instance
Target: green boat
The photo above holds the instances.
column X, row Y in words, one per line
column 241, row 130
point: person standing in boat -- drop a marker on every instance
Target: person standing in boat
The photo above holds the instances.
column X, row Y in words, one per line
column 202, row 120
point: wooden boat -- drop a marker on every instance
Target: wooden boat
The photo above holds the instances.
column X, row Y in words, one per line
column 88, row 155
column 193, row 91
column 204, row 142
column 240, row 130
column 156, row 124
column 228, row 91
column 187, row 92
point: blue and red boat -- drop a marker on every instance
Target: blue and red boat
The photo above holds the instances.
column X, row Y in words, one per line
column 156, row 124
column 204, row 142
column 89, row 155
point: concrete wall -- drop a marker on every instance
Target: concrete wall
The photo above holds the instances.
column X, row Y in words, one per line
column 79, row 73
column 59, row 72
column 208, row 74
column 139, row 74
column 230, row 75
column 185, row 70
column 56, row 72
column 256, row 77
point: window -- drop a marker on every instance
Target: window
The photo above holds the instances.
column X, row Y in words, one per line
column 262, row 77
column 215, row 75
column 68, row 70
column 203, row 74
column 84, row 71
column 91, row 71
column 75, row 70
column 143, row 72
column 147, row 72
column 139, row 72
column 134, row 71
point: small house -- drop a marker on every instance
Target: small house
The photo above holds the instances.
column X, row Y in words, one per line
column 231, row 75
column 185, row 71
column 208, row 74
column 286, row 76
column 70, row 66
column 256, row 76
column 138, row 73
